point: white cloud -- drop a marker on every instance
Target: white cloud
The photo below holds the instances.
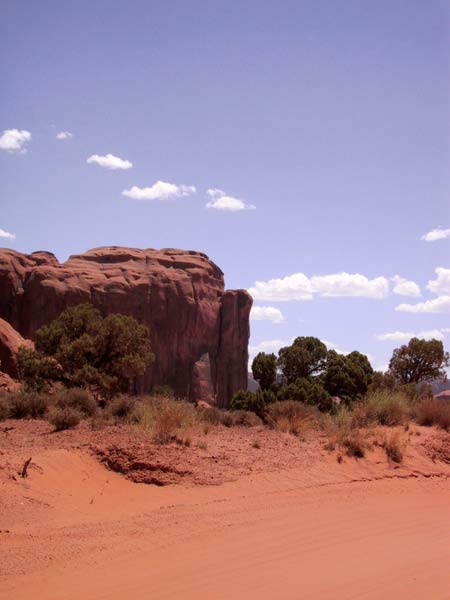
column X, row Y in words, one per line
column 299, row 287
column 436, row 234
column 221, row 201
column 14, row 140
column 161, row 190
column 440, row 285
column 350, row 285
column 438, row 305
column 65, row 135
column 6, row 235
column 405, row 336
column 267, row 346
column 404, row 287
column 109, row 161
column 266, row 313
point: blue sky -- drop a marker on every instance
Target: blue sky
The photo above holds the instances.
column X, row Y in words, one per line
column 323, row 124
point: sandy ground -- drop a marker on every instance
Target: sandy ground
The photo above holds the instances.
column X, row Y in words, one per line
column 317, row 529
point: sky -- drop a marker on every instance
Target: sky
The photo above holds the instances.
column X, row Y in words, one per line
column 304, row 146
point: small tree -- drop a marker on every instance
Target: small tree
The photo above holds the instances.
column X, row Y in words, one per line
column 264, row 369
column 347, row 376
column 418, row 361
column 305, row 357
column 105, row 354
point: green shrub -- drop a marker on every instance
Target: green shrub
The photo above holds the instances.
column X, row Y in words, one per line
column 64, row 418
column 163, row 390
column 248, row 401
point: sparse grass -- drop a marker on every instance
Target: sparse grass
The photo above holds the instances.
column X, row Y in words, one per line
column 393, row 447
column 202, row 445
column 64, row 418
column 432, row 411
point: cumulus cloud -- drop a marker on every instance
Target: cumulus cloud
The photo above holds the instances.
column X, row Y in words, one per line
column 15, row 140
column 109, row 161
column 266, row 313
column 436, row 234
column 405, row 336
column 222, row 201
column 332, row 346
column 299, row 287
column 161, row 190
column 267, row 346
column 404, row 287
column 438, row 305
column 440, row 285
column 6, row 235
column 65, row 135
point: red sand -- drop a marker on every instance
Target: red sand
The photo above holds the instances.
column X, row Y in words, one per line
column 316, row 530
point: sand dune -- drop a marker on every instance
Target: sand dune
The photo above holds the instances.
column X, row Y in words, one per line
column 356, row 530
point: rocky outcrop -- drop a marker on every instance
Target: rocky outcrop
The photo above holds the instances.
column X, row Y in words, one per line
column 10, row 342
column 179, row 295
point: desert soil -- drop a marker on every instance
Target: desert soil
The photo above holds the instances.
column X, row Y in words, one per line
column 284, row 520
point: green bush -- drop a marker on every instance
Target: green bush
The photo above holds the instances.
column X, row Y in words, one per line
column 248, row 401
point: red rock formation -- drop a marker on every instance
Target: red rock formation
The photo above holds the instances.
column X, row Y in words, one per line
column 10, row 342
column 178, row 294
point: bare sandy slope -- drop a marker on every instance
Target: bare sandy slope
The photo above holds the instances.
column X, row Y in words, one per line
column 360, row 529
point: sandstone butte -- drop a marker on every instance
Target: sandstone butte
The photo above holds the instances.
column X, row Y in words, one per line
column 199, row 331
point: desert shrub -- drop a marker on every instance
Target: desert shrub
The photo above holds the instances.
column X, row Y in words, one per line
column 432, row 411
column 393, row 448
column 383, row 407
column 78, row 399
column 24, row 405
column 163, row 390
column 214, row 416
column 4, row 406
column 121, row 407
column 245, row 418
column 248, row 401
column 308, row 392
column 162, row 417
column 290, row 416
column 64, row 417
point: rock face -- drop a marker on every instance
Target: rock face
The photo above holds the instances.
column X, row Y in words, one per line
column 10, row 342
column 179, row 295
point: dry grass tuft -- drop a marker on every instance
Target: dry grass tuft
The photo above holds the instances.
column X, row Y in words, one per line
column 432, row 411
column 292, row 417
column 393, row 447
column 163, row 417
